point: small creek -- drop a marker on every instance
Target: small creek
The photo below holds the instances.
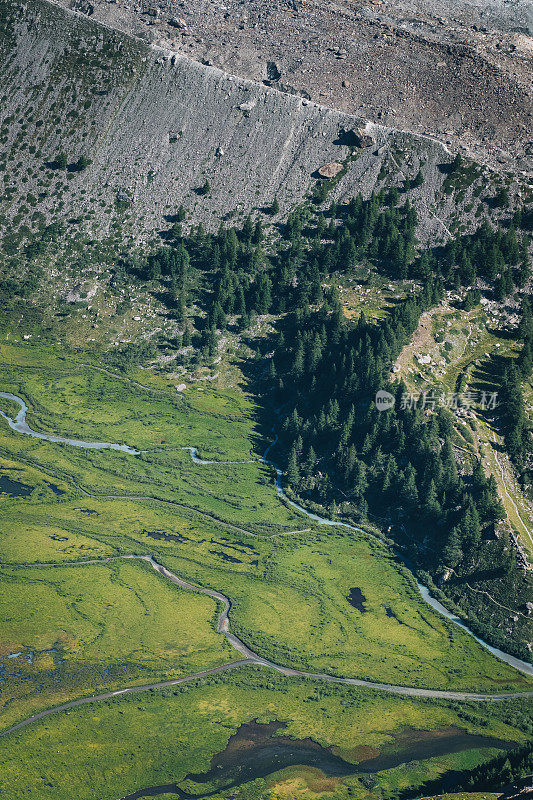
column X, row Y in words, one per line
column 20, row 425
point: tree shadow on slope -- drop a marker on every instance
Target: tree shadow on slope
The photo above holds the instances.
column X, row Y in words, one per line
column 256, row 372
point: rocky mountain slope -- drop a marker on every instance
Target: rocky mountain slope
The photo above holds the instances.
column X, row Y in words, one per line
column 459, row 70
column 155, row 129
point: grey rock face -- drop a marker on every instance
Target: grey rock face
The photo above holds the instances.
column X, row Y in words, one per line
column 157, row 125
column 459, row 69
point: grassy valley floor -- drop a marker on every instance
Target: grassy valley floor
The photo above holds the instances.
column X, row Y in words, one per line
column 112, row 749
column 320, row 599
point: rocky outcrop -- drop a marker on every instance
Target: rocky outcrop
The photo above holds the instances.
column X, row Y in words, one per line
column 458, row 69
column 155, row 126
column 330, row 170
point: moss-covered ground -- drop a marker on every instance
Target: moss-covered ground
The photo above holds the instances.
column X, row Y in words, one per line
column 82, row 629
column 113, row 748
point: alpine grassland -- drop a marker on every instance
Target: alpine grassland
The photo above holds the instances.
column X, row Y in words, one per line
column 164, row 736
column 69, row 631
column 72, row 630
column 221, row 526
column 293, row 607
column 222, row 426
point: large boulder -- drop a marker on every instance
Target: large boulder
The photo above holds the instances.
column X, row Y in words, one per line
column 330, row 170
column 355, row 137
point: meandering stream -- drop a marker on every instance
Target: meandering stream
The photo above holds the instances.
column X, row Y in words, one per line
column 20, row 425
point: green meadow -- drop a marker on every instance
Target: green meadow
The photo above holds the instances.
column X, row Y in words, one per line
column 69, row 629
column 77, row 630
column 293, row 608
column 289, row 594
column 109, row 749
column 219, row 526
column 78, row 401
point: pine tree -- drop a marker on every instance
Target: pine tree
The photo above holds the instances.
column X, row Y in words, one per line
column 240, row 305
column 457, row 163
column 176, row 231
column 295, row 422
column 419, row 179
column 452, row 553
column 257, row 236
column 244, row 322
column 247, row 230
column 311, row 460
column 408, row 486
column 298, row 363
column 431, row 503
column 60, row 161
column 293, row 469
column 470, row 527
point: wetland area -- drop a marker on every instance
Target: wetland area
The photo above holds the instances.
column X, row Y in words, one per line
column 259, row 749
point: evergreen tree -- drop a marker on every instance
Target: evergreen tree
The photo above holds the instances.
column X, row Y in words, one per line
column 408, row 489
column 60, row 161
column 452, row 553
column 247, row 230
column 257, row 236
column 293, row 469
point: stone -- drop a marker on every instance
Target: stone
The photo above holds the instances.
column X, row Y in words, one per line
column 330, row 170
column 177, row 22
column 356, row 137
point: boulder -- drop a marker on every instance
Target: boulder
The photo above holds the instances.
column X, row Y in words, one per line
column 248, row 105
column 330, row 170
column 355, row 137
column 177, row 22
